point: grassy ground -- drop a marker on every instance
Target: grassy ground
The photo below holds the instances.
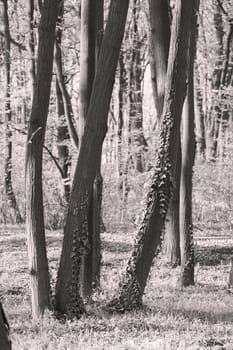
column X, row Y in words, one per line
column 196, row 318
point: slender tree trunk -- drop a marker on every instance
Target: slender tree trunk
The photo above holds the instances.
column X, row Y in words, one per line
column 5, row 343
column 76, row 242
column 11, row 199
column 215, row 115
column 137, row 142
column 62, row 148
column 149, row 233
column 188, row 157
column 63, row 118
column 199, row 119
column 38, row 264
column 31, row 45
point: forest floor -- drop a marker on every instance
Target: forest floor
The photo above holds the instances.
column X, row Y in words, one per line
column 195, row 318
column 198, row 317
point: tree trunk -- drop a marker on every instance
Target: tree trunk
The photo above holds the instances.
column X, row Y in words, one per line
column 172, row 227
column 159, row 46
column 188, row 157
column 63, row 118
column 75, row 243
column 159, row 50
column 5, row 343
column 11, row 199
column 215, row 114
column 91, row 37
column 199, row 119
column 38, row 264
column 149, row 233
column 31, row 45
column 137, row 142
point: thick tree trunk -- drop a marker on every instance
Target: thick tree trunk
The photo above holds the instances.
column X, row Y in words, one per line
column 76, row 243
column 11, row 199
column 159, row 47
column 31, row 45
column 5, row 343
column 188, row 157
column 149, row 233
column 91, row 37
column 38, row 264
column 159, row 50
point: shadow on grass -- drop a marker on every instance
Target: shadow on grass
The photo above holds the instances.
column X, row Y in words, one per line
column 114, row 247
column 213, row 255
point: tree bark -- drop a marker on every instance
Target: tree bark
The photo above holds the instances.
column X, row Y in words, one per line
column 5, row 343
column 149, row 233
column 159, row 29
column 75, row 243
column 38, row 264
column 188, row 158
column 159, row 50
column 11, row 199
column 91, row 37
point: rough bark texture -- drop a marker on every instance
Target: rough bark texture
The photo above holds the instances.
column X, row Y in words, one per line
column 172, row 227
column 137, row 142
column 75, row 243
column 159, row 50
column 215, row 113
column 149, row 233
column 159, row 47
column 38, row 264
column 11, row 199
column 91, row 37
column 188, row 157
column 5, row 343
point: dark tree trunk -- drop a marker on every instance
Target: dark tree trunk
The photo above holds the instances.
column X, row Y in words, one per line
column 5, row 343
column 76, row 243
column 188, row 157
column 11, row 199
column 159, row 47
column 91, row 37
column 38, row 264
column 149, row 233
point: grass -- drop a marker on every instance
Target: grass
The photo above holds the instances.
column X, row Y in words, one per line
column 195, row 318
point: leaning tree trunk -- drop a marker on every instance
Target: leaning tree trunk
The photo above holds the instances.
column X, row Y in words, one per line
column 11, row 199
column 91, row 29
column 38, row 264
column 159, row 49
column 5, row 343
column 149, row 233
column 75, row 243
